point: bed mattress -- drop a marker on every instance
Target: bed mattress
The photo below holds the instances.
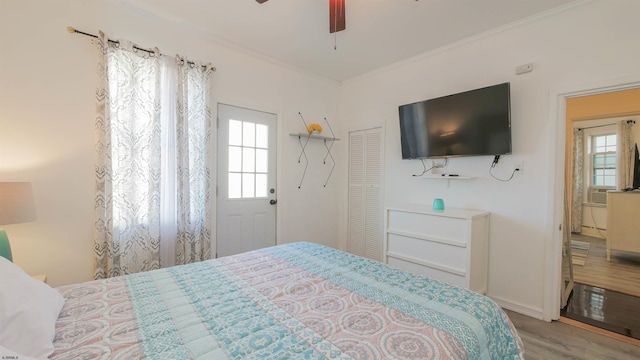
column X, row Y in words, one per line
column 294, row 301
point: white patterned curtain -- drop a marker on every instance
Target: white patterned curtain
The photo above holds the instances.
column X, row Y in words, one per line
column 577, row 195
column 168, row 222
column 127, row 203
column 626, row 152
column 153, row 131
column 193, row 124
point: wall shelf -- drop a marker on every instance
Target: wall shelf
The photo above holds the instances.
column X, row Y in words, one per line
column 314, row 136
column 328, row 144
column 445, row 177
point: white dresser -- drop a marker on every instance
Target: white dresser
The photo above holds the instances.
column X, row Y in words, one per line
column 450, row 245
column 623, row 221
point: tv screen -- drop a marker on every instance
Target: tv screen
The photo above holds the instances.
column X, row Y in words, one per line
column 475, row 122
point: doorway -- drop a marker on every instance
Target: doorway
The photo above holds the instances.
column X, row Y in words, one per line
column 246, row 191
column 606, row 287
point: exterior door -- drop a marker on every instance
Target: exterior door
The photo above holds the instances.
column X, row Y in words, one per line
column 246, row 206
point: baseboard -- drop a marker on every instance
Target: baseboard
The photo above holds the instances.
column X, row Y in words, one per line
column 593, row 232
column 523, row 309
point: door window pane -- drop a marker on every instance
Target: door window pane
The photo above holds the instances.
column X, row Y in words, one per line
column 235, row 189
column 262, row 136
column 235, row 159
column 235, row 132
column 261, row 185
column 248, row 134
column 248, row 185
column 262, row 160
column 248, row 160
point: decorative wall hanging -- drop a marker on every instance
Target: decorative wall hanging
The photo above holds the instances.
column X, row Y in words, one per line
column 313, row 132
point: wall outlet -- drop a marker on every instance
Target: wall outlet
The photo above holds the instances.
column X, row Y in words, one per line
column 519, row 168
column 437, row 167
column 522, row 69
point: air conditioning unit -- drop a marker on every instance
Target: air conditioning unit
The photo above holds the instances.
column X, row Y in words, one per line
column 598, row 195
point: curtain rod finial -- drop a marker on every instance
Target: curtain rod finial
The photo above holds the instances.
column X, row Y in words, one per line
column 70, row 29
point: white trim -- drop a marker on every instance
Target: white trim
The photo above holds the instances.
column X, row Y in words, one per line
column 552, row 248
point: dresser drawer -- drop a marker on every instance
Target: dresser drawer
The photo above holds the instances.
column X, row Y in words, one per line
column 431, row 273
column 450, row 258
column 437, row 227
column 450, row 245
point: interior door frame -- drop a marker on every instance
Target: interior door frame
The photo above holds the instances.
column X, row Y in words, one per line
column 279, row 164
column 553, row 247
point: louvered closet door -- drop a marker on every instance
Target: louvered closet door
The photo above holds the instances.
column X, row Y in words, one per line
column 365, row 193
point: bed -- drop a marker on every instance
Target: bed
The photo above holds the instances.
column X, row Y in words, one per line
column 294, row 301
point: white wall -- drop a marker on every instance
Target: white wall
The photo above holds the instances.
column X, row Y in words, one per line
column 47, row 114
column 47, row 111
column 594, row 221
column 592, row 42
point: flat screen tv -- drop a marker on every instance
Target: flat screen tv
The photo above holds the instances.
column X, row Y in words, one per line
column 475, row 122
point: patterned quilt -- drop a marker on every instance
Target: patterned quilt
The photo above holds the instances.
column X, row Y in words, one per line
column 294, row 301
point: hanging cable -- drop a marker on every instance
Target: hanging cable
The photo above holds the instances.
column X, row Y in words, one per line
column 437, row 166
column 493, row 165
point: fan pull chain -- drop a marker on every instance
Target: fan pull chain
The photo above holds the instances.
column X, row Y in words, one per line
column 335, row 27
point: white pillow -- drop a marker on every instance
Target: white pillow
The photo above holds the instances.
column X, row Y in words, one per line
column 28, row 312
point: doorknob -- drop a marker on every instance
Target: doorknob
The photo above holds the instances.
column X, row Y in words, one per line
column 273, row 202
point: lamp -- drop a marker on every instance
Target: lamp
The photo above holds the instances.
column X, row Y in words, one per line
column 16, row 206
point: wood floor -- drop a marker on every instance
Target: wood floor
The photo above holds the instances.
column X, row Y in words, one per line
column 621, row 274
column 555, row 340
column 605, row 309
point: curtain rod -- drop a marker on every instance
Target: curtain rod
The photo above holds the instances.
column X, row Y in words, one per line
column 73, row 30
column 597, row 126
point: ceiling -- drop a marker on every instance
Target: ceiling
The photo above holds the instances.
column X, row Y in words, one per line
column 378, row 33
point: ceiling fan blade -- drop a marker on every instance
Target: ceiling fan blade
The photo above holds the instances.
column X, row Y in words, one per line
column 337, row 17
column 261, row 1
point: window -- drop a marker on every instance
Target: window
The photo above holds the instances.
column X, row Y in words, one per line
column 152, row 164
column 248, row 154
column 603, row 160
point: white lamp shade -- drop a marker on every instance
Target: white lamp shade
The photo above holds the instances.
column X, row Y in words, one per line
column 16, row 203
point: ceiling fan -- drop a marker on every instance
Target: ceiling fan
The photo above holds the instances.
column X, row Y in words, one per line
column 336, row 15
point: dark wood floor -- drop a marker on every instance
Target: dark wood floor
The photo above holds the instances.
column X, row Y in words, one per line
column 555, row 340
column 612, row 309
column 606, row 309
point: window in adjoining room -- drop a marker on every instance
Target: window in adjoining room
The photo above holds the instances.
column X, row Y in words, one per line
column 603, row 160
